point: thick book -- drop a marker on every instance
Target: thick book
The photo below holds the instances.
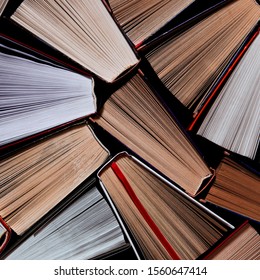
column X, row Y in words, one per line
column 141, row 19
column 236, row 188
column 190, row 62
column 188, row 17
column 232, row 121
column 164, row 221
column 242, row 244
column 37, row 94
column 85, row 229
column 136, row 117
column 36, row 177
column 208, row 99
column 82, row 30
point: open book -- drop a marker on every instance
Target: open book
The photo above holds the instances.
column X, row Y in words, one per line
column 137, row 118
column 165, row 222
column 233, row 121
column 85, row 229
column 37, row 177
column 36, row 94
column 82, row 30
column 236, row 188
column 189, row 63
column 243, row 244
column 141, row 18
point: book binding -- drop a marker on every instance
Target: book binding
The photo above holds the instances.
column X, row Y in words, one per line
column 113, row 165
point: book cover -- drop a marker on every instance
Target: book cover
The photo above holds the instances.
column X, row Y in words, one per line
column 157, row 213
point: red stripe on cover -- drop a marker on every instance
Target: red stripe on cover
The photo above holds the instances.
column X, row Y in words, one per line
column 143, row 212
column 232, row 66
column 235, row 231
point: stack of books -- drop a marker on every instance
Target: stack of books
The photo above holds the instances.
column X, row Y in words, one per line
column 129, row 129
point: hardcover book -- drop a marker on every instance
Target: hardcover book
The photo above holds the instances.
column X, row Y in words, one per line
column 82, row 30
column 190, row 62
column 141, row 19
column 37, row 94
column 243, row 244
column 165, row 222
column 35, row 178
column 85, row 229
column 137, row 118
column 233, row 120
column 236, row 188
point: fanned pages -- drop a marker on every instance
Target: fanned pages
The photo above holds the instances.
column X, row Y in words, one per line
column 135, row 116
column 82, row 30
column 84, row 230
column 3, row 3
column 141, row 18
column 243, row 245
column 166, row 222
column 236, row 189
column 35, row 179
column 233, row 121
column 36, row 95
column 190, row 62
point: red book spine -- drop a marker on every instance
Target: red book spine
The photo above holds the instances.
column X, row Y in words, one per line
column 143, row 212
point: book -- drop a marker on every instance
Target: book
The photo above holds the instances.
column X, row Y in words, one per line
column 203, row 106
column 137, row 118
column 36, row 177
column 38, row 94
column 236, row 188
column 82, row 30
column 165, row 222
column 190, row 62
column 192, row 14
column 87, row 228
column 233, row 119
column 3, row 3
column 140, row 19
column 243, row 244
